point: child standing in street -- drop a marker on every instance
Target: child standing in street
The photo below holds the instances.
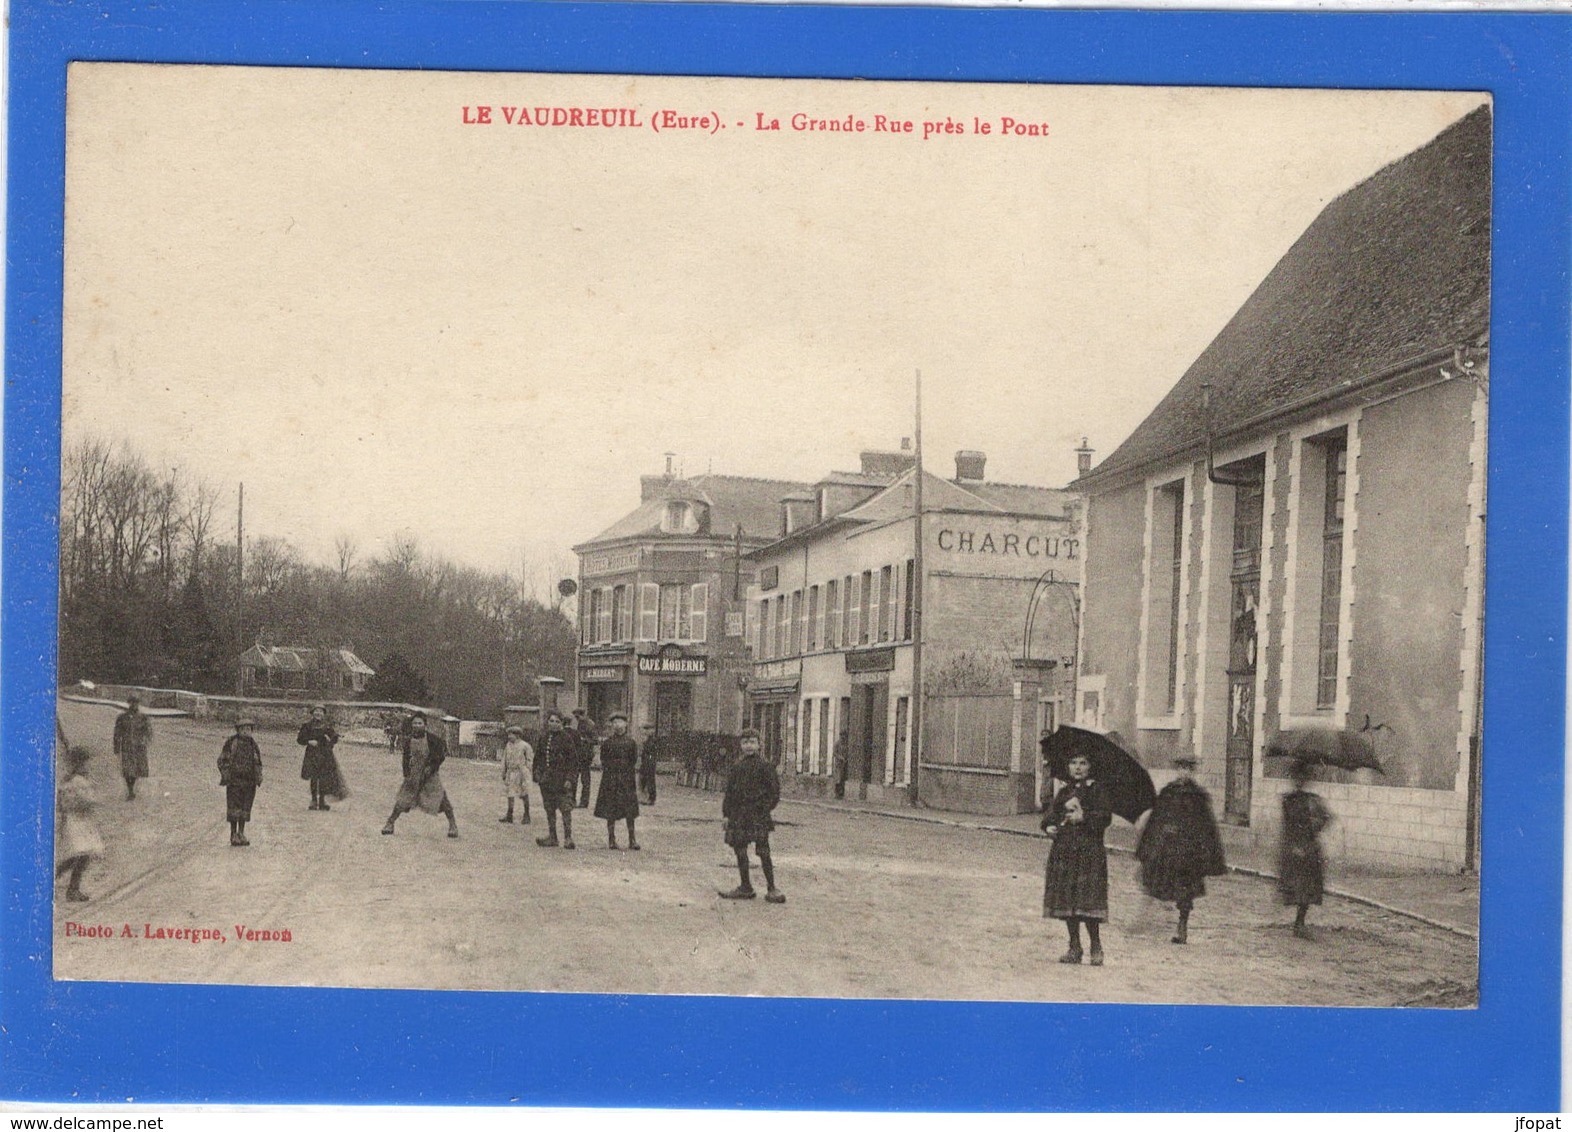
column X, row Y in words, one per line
column 77, row 838
column 240, row 773
column 1075, row 884
column 753, row 790
column 517, row 755
column 1180, row 846
column 1301, row 872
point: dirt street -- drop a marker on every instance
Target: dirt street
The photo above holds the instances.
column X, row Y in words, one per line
column 877, row 907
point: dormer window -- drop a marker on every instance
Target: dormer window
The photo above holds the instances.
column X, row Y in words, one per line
column 680, row 518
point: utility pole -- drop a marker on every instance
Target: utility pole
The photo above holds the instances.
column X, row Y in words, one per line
column 914, row 741
column 240, row 593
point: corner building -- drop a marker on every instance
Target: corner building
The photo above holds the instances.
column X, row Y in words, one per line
column 833, row 621
column 660, row 602
column 1327, row 572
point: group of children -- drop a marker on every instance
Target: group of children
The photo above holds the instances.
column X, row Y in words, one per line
column 1179, row 847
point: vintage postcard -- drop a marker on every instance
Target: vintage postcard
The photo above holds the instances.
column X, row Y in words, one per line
column 688, row 536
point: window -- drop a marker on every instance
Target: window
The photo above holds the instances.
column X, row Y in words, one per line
column 699, row 620
column 589, row 609
column 780, row 625
column 911, row 598
column 676, row 612
column 849, row 615
column 766, row 628
column 813, row 619
column 822, row 762
column 603, row 616
column 796, row 623
column 649, row 611
column 886, row 602
column 1165, row 600
column 619, row 610
column 1336, row 486
column 868, row 608
column 832, row 614
column 805, row 736
column 679, row 518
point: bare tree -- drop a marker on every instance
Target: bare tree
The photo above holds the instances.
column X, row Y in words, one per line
column 347, row 549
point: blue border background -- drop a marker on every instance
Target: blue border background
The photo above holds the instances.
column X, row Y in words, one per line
column 110, row 1042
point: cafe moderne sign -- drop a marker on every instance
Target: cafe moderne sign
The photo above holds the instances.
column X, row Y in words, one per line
column 1006, row 543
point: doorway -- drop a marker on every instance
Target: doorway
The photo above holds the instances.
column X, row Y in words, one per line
column 870, row 710
column 673, row 707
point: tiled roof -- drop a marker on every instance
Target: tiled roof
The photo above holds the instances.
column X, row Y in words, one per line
column 295, row 658
column 755, row 503
column 1395, row 269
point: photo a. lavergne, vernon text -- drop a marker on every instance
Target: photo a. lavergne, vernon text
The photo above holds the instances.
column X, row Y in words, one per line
column 659, row 535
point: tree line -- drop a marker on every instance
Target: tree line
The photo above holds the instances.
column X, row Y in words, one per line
column 149, row 594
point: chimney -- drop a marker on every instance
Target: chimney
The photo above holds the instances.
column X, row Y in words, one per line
column 669, row 457
column 1083, row 458
column 653, row 487
column 969, row 466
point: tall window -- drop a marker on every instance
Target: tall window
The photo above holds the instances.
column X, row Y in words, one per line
column 822, row 763
column 832, row 614
column 911, row 591
column 1332, row 570
column 796, row 623
column 592, row 620
column 849, row 621
column 813, row 619
column 699, row 618
column 621, row 629
column 1165, row 599
column 867, row 607
column 603, row 621
column 649, row 611
column 886, row 602
column 780, row 625
column 766, row 628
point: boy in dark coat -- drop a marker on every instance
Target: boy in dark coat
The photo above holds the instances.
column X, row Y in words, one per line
column 556, row 771
column 240, row 773
column 1180, row 846
column 752, row 792
column 619, row 793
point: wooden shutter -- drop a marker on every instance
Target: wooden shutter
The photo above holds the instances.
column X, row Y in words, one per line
column 649, row 611
column 700, row 621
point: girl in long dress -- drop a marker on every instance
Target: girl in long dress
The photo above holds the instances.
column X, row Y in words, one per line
column 77, row 839
column 320, row 766
column 1075, row 886
column 517, row 755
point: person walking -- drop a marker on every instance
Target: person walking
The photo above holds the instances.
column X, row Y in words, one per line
column 77, row 841
column 423, row 756
column 516, row 758
column 753, row 790
column 842, row 745
column 240, row 773
column 319, row 766
column 1301, row 871
column 1075, row 883
column 618, row 799
column 556, row 772
column 1180, row 846
column 133, row 737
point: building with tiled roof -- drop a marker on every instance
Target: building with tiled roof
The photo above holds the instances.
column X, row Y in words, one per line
column 1290, row 548
column 281, row 669
column 840, row 605
column 660, row 601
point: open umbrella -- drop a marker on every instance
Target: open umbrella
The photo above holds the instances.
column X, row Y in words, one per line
column 1347, row 750
column 1129, row 787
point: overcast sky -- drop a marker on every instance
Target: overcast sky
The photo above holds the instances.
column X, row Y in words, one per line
column 325, row 285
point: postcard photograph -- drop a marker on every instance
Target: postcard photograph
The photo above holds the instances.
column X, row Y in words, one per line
column 695, row 536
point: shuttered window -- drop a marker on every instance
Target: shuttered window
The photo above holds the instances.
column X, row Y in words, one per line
column 649, row 611
column 699, row 621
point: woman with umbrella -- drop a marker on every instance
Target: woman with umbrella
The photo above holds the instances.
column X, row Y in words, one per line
column 1075, row 887
column 1300, row 871
column 1180, row 846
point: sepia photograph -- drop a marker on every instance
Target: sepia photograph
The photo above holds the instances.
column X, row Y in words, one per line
column 639, row 535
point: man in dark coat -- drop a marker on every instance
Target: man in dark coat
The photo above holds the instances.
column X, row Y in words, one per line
column 619, row 794
column 423, row 756
column 556, row 771
column 752, row 792
column 133, row 735
column 1180, row 846
column 584, row 733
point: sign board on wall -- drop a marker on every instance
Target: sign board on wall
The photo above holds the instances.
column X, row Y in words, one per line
column 671, row 660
